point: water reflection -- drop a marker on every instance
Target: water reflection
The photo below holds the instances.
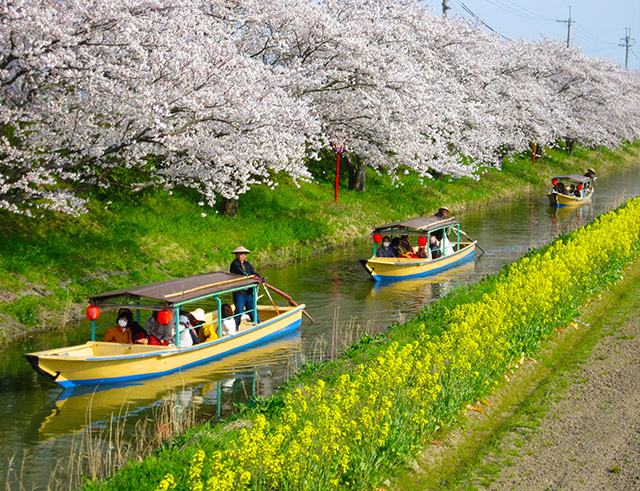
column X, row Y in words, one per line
column 418, row 291
column 202, row 386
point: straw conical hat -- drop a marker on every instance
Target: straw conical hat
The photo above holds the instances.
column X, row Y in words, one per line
column 241, row 249
column 591, row 170
column 444, row 208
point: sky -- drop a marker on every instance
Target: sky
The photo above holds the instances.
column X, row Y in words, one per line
column 598, row 29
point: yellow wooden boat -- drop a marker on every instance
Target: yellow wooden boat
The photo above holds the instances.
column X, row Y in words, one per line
column 452, row 251
column 563, row 194
column 97, row 362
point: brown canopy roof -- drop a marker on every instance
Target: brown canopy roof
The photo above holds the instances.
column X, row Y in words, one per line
column 420, row 224
column 573, row 177
column 180, row 290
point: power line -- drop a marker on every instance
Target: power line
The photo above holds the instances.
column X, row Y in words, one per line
column 478, row 19
column 601, row 48
column 518, row 11
column 533, row 14
column 591, row 35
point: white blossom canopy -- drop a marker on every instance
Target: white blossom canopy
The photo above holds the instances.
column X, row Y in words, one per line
column 219, row 95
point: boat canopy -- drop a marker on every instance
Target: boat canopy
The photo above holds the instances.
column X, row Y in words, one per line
column 420, row 225
column 180, row 290
column 573, row 177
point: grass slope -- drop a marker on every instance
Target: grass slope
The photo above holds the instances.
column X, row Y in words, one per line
column 49, row 266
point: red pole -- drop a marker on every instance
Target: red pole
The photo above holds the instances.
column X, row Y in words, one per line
column 335, row 197
column 534, row 149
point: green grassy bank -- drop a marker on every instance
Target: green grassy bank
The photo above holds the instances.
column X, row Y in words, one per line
column 489, row 436
column 49, row 266
column 351, row 422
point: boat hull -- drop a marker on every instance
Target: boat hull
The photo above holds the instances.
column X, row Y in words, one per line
column 390, row 269
column 75, row 366
column 556, row 199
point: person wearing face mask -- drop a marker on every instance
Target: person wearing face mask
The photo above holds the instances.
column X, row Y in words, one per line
column 385, row 250
column 138, row 335
column 120, row 333
column 185, row 338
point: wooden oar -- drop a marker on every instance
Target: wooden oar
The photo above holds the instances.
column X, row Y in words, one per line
column 477, row 245
column 270, row 298
column 288, row 298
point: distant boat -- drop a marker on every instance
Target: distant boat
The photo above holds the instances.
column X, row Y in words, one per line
column 97, row 362
column 561, row 195
column 454, row 251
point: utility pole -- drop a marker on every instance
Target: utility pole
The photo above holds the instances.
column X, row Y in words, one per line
column 568, row 21
column 445, row 7
column 628, row 42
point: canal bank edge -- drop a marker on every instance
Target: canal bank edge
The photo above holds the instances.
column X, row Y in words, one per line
column 494, row 435
column 49, row 269
column 401, row 344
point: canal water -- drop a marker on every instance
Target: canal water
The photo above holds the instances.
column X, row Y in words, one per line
column 41, row 422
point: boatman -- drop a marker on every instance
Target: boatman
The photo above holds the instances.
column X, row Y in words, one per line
column 590, row 173
column 443, row 213
column 243, row 299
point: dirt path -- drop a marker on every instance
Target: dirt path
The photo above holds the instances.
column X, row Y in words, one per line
column 590, row 439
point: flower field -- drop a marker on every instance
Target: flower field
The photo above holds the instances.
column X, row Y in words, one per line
column 349, row 428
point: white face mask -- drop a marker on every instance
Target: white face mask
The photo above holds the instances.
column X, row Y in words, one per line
column 386, row 244
column 122, row 322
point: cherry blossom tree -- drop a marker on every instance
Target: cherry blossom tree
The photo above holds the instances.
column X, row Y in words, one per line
column 93, row 85
column 220, row 95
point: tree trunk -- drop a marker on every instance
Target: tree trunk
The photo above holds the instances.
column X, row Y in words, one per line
column 569, row 145
column 357, row 172
column 229, row 207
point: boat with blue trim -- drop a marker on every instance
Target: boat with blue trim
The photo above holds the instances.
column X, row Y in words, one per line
column 440, row 246
column 98, row 362
column 571, row 190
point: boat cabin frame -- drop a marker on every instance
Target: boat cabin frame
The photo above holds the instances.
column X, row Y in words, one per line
column 421, row 227
column 174, row 294
column 585, row 181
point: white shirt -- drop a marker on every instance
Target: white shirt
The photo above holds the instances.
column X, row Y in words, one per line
column 229, row 327
column 448, row 247
column 185, row 338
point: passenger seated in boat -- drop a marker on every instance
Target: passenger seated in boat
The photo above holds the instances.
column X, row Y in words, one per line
column 562, row 189
column 405, row 249
column 229, row 327
column 206, row 330
column 159, row 334
column 578, row 191
column 125, row 315
column 386, row 249
column 422, row 248
column 434, row 247
column 448, row 246
column 185, row 337
column 193, row 327
column 119, row 333
column 572, row 190
column 395, row 246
